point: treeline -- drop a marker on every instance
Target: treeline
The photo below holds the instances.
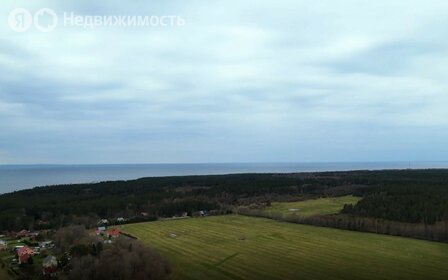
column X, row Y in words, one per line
column 435, row 232
column 423, row 203
column 410, row 196
column 58, row 206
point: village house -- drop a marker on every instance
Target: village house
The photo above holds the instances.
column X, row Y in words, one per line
column 22, row 233
column 113, row 233
column 33, row 235
column 50, row 266
column 46, row 244
column 103, row 222
column 23, row 254
column 100, row 230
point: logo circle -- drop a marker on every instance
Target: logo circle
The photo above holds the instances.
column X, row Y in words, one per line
column 48, row 13
column 20, row 20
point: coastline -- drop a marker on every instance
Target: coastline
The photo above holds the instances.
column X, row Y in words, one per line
column 20, row 177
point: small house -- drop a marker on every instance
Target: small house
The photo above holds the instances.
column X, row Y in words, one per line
column 46, row 244
column 32, row 235
column 103, row 222
column 22, row 233
column 113, row 233
column 100, row 229
column 23, row 254
column 50, row 266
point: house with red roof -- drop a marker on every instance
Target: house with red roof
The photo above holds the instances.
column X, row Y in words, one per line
column 23, row 254
column 113, row 233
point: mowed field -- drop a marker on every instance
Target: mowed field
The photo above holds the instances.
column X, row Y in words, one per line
column 312, row 207
column 239, row 247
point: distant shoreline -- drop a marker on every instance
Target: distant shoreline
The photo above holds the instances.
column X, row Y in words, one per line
column 19, row 177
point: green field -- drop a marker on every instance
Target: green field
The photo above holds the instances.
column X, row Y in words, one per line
column 239, row 247
column 321, row 206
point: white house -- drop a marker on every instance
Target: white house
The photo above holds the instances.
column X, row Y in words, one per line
column 103, row 222
column 46, row 244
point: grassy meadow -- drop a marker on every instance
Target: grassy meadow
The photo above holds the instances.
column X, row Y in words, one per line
column 239, row 247
column 312, row 207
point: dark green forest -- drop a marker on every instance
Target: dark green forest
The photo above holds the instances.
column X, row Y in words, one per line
column 407, row 196
column 159, row 197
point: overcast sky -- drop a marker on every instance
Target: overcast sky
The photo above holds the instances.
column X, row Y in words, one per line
column 241, row 81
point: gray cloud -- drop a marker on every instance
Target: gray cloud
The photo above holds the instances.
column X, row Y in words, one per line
column 288, row 81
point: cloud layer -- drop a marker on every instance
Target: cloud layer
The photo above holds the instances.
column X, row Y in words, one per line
column 275, row 81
